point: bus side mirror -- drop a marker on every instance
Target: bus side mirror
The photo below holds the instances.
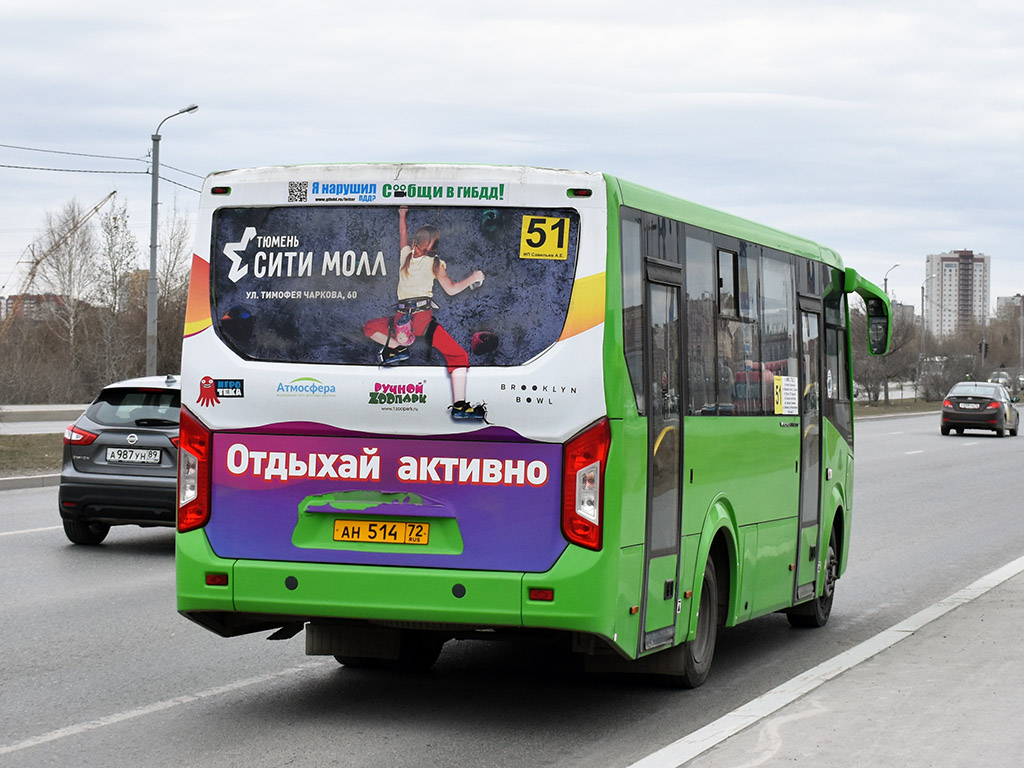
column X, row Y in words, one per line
column 878, row 327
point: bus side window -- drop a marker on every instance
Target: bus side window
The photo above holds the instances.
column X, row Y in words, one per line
column 632, row 303
column 778, row 321
column 837, row 391
column 701, row 304
column 726, row 283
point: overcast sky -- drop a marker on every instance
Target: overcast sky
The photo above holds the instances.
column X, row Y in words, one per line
column 887, row 130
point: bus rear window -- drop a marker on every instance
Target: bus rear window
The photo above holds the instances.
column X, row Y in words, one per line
column 349, row 285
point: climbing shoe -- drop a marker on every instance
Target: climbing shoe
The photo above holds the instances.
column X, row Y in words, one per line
column 463, row 410
column 391, row 355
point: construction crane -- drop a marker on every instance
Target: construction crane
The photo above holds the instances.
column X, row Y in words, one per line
column 37, row 260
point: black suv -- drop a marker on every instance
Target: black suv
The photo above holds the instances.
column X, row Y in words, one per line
column 121, row 459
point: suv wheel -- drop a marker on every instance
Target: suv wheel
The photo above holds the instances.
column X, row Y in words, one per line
column 84, row 532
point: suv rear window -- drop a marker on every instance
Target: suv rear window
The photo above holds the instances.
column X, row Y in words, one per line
column 136, row 408
column 321, row 284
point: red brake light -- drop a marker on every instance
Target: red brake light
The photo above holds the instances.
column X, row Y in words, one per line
column 947, row 403
column 993, row 404
column 193, row 473
column 585, row 458
column 77, row 436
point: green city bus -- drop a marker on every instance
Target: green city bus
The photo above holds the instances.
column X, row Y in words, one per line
column 432, row 402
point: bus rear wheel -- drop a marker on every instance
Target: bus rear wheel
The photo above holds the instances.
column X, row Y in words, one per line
column 698, row 653
column 816, row 612
column 417, row 652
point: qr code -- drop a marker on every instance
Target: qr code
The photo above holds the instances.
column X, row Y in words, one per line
column 297, row 191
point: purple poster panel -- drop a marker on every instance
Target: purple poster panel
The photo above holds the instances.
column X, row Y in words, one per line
column 427, row 503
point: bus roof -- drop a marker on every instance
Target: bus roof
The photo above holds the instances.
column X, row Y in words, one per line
column 627, row 193
column 645, row 198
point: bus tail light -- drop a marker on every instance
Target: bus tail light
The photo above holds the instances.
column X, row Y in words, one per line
column 583, row 485
column 193, row 474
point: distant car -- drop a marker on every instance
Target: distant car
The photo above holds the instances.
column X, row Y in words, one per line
column 1002, row 378
column 979, row 405
column 121, row 459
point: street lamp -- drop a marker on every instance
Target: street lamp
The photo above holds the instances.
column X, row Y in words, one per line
column 885, row 280
column 924, row 329
column 1020, row 319
column 152, row 289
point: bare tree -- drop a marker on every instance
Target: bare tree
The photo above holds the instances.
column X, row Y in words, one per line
column 873, row 373
column 119, row 318
column 67, row 253
column 91, row 325
column 118, row 259
column 173, row 267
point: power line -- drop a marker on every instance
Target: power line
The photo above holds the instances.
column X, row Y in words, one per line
column 187, row 173
column 85, row 170
column 86, row 154
column 70, row 170
column 76, row 154
column 179, row 184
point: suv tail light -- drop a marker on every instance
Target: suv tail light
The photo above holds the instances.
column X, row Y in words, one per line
column 585, row 458
column 193, row 473
column 77, row 436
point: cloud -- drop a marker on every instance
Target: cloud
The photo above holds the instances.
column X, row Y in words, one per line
column 888, row 130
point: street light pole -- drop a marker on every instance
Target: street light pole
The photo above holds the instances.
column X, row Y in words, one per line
column 885, row 289
column 152, row 288
column 1020, row 320
column 924, row 332
column 885, row 280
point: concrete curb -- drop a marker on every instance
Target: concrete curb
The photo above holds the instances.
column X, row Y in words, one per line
column 28, row 481
column 15, row 413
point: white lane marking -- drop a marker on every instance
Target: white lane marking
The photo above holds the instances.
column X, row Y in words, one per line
column 911, row 453
column 679, row 752
column 149, row 709
column 30, row 530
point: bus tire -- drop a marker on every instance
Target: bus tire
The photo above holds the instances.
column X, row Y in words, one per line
column 357, row 662
column 698, row 653
column 85, row 532
column 418, row 650
column 815, row 613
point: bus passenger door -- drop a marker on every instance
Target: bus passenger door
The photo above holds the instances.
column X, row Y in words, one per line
column 810, row 449
column 663, row 345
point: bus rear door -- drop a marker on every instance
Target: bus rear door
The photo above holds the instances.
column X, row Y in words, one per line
column 664, row 497
column 810, row 448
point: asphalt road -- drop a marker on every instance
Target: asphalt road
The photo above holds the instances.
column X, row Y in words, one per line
column 99, row 670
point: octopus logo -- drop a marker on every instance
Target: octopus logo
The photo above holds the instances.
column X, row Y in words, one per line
column 207, row 392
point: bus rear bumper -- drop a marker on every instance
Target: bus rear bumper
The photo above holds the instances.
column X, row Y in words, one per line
column 264, row 596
